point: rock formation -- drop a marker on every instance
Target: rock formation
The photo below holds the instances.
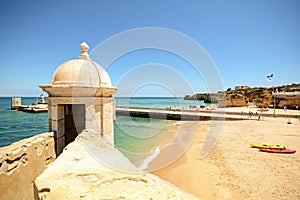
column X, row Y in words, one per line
column 258, row 96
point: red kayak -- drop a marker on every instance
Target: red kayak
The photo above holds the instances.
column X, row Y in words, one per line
column 278, row 150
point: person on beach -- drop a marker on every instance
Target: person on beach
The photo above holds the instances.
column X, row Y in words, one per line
column 250, row 114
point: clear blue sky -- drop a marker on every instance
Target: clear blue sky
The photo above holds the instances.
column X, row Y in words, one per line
column 247, row 40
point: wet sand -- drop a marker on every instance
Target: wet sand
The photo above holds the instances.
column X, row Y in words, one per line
column 233, row 170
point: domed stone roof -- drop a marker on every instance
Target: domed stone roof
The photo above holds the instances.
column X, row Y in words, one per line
column 81, row 72
column 80, row 77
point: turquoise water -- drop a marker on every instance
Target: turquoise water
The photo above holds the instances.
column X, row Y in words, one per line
column 16, row 125
column 141, row 138
column 157, row 102
column 136, row 137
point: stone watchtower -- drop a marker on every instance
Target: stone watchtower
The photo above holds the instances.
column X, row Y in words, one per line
column 80, row 97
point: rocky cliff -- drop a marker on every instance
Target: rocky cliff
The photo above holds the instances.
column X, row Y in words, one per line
column 258, row 96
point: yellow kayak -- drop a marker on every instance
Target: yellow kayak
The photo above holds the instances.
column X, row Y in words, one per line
column 269, row 146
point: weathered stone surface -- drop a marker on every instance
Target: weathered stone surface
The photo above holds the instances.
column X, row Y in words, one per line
column 258, row 96
column 58, row 127
column 107, row 126
column 21, row 162
column 290, row 103
column 56, row 112
column 237, row 100
column 83, row 171
column 80, row 96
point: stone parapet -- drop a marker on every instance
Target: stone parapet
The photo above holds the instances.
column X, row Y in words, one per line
column 87, row 169
column 20, row 164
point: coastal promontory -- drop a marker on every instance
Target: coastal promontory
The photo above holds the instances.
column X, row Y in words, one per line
column 261, row 97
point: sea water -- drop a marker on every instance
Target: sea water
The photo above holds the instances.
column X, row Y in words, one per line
column 158, row 102
column 15, row 125
column 138, row 138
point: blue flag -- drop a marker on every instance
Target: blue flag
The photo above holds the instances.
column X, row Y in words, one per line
column 269, row 78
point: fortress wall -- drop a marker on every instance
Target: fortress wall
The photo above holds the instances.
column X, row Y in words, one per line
column 89, row 168
column 20, row 164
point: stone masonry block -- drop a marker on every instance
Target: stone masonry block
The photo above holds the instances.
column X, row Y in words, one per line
column 90, row 113
column 59, row 144
column 58, row 126
column 107, row 126
column 93, row 124
column 57, row 112
column 49, row 125
column 109, row 139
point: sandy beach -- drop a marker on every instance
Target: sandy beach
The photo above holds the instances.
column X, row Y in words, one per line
column 233, row 170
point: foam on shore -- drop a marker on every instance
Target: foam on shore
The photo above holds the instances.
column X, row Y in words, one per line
column 148, row 159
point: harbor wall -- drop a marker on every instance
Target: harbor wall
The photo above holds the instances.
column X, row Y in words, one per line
column 16, row 102
column 185, row 114
column 20, row 164
column 161, row 115
column 178, row 115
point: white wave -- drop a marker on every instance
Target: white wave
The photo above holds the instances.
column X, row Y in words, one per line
column 145, row 163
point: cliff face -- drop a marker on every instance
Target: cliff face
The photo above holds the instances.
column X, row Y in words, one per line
column 291, row 103
column 261, row 97
column 258, row 96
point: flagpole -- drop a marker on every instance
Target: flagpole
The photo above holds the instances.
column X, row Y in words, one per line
column 269, row 78
column 274, row 106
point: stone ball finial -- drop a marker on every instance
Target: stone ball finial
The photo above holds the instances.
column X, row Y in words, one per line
column 84, row 48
